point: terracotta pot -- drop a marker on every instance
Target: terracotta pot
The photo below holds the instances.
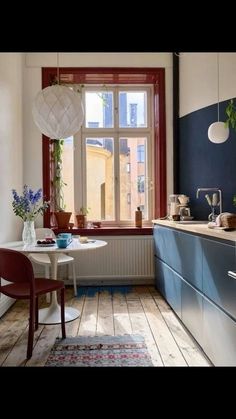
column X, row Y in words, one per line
column 63, row 219
column 81, row 220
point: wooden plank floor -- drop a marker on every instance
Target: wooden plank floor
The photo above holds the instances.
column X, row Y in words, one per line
column 109, row 311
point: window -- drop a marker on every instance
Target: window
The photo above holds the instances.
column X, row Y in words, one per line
column 106, row 181
column 114, row 163
column 140, row 153
column 108, row 146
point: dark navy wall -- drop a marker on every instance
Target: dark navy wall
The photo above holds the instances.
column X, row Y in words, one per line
column 205, row 164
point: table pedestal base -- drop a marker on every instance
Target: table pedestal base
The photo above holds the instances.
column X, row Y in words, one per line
column 52, row 314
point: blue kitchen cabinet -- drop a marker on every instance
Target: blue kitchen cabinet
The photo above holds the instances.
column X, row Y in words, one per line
column 166, row 247
column 168, row 282
column 192, row 275
column 218, row 259
column 159, row 275
column 190, row 259
column 192, row 310
column 219, row 335
column 181, row 251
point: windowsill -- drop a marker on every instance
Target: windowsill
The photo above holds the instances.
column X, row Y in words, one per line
column 107, row 231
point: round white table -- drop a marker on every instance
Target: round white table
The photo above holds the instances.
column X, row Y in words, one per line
column 52, row 314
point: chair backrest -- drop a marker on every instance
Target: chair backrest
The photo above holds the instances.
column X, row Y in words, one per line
column 15, row 267
column 41, row 233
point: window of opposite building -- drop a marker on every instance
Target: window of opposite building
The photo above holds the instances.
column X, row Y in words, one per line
column 109, row 165
column 140, row 153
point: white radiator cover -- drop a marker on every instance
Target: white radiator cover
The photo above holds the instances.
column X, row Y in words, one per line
column 5, row 302
column 125, row 260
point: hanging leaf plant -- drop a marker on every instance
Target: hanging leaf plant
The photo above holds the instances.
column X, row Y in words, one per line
column 231, row 115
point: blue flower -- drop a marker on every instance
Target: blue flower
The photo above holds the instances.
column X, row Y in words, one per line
column 29, row 205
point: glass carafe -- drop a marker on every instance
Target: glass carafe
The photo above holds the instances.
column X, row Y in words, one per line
column 212, row 216
column 28, row 234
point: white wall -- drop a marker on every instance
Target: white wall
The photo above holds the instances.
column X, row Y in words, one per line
column 198, row 80
column 32, row 84
column 11, row 142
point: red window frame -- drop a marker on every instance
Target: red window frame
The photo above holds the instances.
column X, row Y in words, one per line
column 110, row 75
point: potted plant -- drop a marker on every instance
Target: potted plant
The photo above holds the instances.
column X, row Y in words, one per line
column 28, row 206
column 81, row 217
column 62, row 217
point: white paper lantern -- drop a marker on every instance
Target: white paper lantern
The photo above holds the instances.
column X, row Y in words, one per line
column 58, row 111
column 218, row 132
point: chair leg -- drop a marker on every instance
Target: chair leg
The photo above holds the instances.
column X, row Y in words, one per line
column 31, row 328
column 36, row 313
column 63, row 328
column 74, row 278
column 47, row 275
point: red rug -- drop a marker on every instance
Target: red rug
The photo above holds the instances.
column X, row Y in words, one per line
column 100, row 351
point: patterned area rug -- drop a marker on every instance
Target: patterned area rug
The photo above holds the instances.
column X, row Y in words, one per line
column 100, row 351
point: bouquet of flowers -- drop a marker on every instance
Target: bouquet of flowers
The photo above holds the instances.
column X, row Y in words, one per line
column 30, row 204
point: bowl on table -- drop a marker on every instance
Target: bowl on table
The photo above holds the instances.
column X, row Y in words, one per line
column 83, row 239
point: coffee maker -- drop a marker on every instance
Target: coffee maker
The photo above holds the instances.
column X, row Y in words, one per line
column 178, row 205
column 173, row 205
column 184, row 210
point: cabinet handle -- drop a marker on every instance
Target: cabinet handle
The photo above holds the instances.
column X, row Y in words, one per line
column 232, row 274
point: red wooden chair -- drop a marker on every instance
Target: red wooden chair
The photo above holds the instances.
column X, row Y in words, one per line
column 16, row 268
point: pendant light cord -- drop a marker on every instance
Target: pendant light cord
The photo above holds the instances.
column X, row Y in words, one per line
column 218, row 84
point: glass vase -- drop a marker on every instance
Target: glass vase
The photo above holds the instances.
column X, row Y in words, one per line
column 28, row 234
column 212, row 216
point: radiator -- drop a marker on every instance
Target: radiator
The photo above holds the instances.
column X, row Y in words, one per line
column 125, row 259
column 5, row 302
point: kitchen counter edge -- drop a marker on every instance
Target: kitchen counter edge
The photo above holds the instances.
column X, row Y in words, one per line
column 199, row 229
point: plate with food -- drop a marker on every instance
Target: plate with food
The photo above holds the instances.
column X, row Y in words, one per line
column 45, row 243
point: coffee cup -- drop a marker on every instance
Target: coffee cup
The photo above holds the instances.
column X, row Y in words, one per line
column 62, row 242
column 65, row 235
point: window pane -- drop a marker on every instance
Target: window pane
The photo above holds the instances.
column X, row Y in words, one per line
column 100, row 178
column 132, row 109
column 132, row 183
column 140, row 184
column 99, row 109
column 68, row 175
column 140, row 153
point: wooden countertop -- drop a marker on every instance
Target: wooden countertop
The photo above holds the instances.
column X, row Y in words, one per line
column 200, row 228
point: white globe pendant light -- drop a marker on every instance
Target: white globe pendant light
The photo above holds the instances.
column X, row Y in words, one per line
column 217, row 132
column 58, row 111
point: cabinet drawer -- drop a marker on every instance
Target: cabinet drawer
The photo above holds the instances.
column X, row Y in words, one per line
column 219, row 335
column 192, row 311
column 166, row 247
column 182, row 252
column 159, row 275
column 169, row 284
column 218, row 259
column 189, row 264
